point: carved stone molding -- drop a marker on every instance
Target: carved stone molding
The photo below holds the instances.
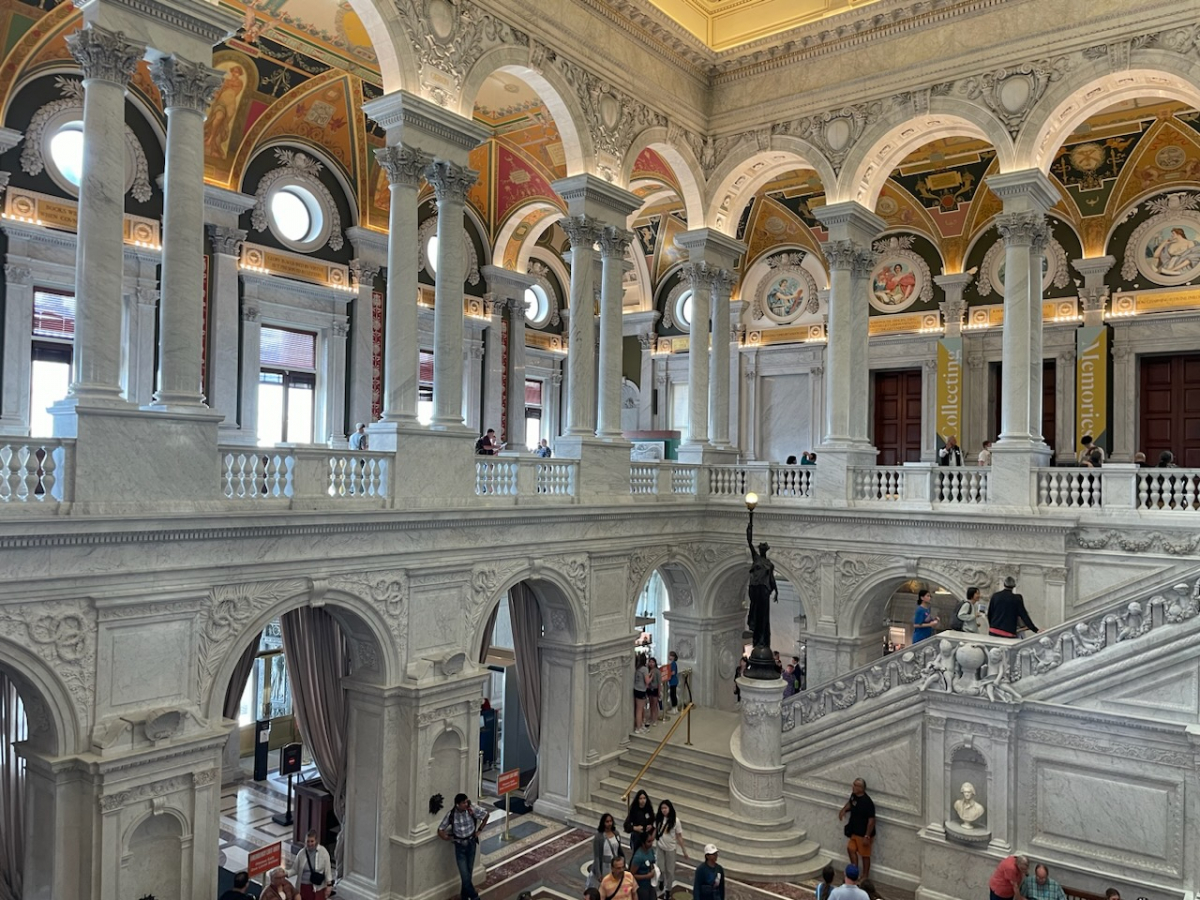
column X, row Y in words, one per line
column 105, row 55
column 305, row 169
column 226, row 241
column 428, row 229
column 449, row 180
column 185, row 84
column 582, row 231
column 1011, row 93
column 403, row 165
column 62, row 633
column 15, row 274
column 1021, row 229
column 614, row 242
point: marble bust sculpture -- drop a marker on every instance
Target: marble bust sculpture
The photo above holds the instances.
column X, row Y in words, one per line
column 968, row 809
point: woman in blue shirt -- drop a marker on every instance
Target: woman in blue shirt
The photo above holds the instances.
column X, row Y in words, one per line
column 642, row 867
column 924, row 621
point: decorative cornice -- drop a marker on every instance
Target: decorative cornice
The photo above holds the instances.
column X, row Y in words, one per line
column 213, row 26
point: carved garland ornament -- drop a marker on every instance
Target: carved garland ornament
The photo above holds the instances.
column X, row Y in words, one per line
column 1011, row 93
column 33, row 161
column 1057, row 272
column 62, row 634
column 428, row 230
column 541, row 275
column 1166, row 247
column 302, row 168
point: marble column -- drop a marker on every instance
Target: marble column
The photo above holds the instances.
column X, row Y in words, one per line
column 851, row 230
column 1027, row 195
column 405, row 169
column 362, row 276
column 646, row 340
column 951, row 368
column 329, row 407
column 614, row 242
column 108, row 61
column 187, row 89
column 450, row 182
column 698, row 275
column 18, row 349
column 1091, row 382
column 493, row 370
column 223, row 326
column 1064, row 394
column 583, row 232
column 509, row 288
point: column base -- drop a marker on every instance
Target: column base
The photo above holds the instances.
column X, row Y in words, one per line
column 177, row 401
column 603, row 467
column 191, row 410
column 66, row 411
column 1010, row 483
column 706, row 454
column 432, row 468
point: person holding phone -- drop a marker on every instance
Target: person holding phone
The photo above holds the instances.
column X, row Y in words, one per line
column 462, row 825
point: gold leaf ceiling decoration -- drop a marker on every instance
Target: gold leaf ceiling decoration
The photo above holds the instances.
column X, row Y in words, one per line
column 723, row 24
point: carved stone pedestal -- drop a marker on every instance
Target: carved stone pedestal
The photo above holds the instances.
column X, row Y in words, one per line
column 756, row 782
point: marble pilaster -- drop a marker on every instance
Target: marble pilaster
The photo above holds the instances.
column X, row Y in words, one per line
column 614, row 243
column 18, row 350
column 646, row 342
column 363, row 270
column 141, row 312
column 225, row 240
column 492, row 415
column 251, row 361
column 1090, row 386
column 474, row 384
column 187, row 89
column 108, row 61
column 329, row 407
column 1064, row 398
column 699, row 276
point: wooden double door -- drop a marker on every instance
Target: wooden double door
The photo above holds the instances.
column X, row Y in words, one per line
column 1170, row 408
column 898, row 416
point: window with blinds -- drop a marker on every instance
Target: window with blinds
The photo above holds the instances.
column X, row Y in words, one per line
column 53, row 316
column 533, row 393
column 283, row 348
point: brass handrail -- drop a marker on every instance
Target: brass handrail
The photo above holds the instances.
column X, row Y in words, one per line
column 686, row 714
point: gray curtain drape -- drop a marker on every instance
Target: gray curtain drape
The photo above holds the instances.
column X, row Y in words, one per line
column 486, row 647
column 13, row 728
column 237, row 684
column 317, row 661
column 527, row 633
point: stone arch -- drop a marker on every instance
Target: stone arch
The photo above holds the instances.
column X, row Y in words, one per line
column 747, row 168
column 554, row 91
column 683, row 163
column 735, row 570
column 54, row 727
column 514, row 221
column 391, row 42
column 155, row 869
column 1093, row 87
column 373, row 650
column 166, row 809
column 554, row 590
column 874, row 591
column 886, row 142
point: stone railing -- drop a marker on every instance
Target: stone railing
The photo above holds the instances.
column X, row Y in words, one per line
column 792, row 481
column 958, row 486
column 1168, row 490
column 251, row 474
column 989, row 668
column 526, row 478
column 727, row 481
column 1069, row 488
column 359, row 474
column 886, row 483
column 36, row 471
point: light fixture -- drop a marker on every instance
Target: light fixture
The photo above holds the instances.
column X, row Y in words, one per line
column 751, row 501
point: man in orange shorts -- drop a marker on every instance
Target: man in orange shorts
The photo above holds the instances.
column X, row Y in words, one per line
column 860, row 829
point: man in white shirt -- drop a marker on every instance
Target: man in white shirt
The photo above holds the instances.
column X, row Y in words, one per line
column 985, row 455
column 313, row 870
column 358, row 440
column 951, row 454
column 849, row 890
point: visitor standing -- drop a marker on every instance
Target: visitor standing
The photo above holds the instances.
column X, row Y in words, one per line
column 313, row 870
column 860, row 828
column 606, row 846
column 825, row 888
column 462, row 825
column 618, row 884
column 241, row 884
column 849, row 889
column 643, row 864
column 279, row 888
column 1005, row 883
column 985, row 455
column 359, row 440
column 709, row 881
column 653, row 688
column 640, row 820
column 641, row 677
column 1006, row 611
column 669, row 834
column 951, row 454
column 924, row 620
column 543, row 449
column 673, row 679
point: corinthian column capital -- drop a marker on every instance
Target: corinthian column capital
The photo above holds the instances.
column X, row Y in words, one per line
column 105, row 55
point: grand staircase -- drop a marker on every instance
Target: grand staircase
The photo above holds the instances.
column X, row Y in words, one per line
column 696, row 780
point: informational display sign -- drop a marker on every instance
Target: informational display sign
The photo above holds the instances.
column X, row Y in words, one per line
column 508, row 782
column 264, row 859
column 1091, row 384
column 949, row 389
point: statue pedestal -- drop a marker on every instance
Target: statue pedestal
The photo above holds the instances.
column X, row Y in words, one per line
column 970, row 835
column 756, row 781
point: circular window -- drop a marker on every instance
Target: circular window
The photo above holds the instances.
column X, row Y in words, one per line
column 66, row 152
column 297, row 216
column 537, row 305
column 431, row 248
column 683, row 309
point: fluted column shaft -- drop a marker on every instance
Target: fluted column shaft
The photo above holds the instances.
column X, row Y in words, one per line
column 1020, row 232
column 450, row 185
column 583, row 231
column 187, row 89
column 718, row 384
column 613, row 244
column 405, row 168
column 108, row 61
column 700, row 276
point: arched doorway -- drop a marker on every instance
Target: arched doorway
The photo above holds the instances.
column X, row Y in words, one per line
column 314, row 672
column 528, row 643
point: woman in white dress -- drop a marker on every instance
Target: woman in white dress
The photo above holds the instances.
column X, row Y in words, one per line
column 669, row 833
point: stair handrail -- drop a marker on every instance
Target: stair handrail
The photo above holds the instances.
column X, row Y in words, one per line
column 686, row 714
column 1037, row 654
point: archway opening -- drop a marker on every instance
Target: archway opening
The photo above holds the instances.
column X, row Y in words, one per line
column 527, row 644
column 902, row 616
column 14, row 728
column 294, row 756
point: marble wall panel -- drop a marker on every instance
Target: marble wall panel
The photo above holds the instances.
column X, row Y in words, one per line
column 1171, row 693
column 784, row 417
column 144, row 664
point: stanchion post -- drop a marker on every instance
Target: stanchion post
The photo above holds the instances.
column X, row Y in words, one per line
column 506, row 837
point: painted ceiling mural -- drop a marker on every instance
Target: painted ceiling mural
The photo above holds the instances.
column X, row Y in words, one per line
column 300, row 70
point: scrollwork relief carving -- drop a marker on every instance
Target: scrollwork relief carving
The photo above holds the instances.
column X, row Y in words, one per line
column 303, row 168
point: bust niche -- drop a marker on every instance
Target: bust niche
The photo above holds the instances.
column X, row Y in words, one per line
column 967, row 817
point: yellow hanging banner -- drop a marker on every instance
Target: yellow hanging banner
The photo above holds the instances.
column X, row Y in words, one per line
column 1091, row 384
column 949, row 389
